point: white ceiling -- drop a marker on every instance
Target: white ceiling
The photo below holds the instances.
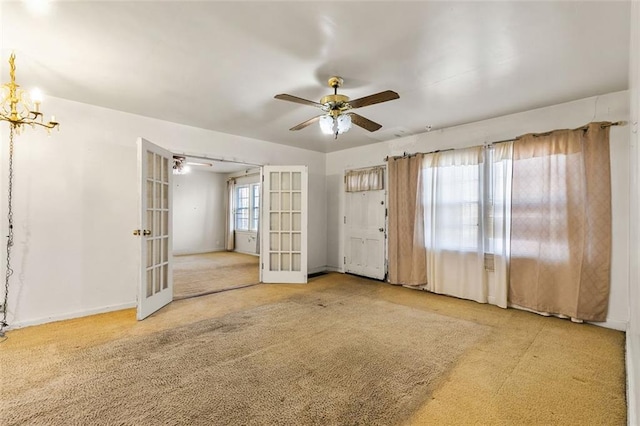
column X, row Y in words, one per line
column 217, row 65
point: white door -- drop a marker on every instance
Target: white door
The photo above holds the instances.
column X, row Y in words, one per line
column 365, row 232
column 155, row 167
column 284, row 224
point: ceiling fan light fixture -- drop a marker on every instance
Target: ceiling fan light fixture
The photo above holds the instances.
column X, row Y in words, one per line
column 326, row 124
column 344, row 123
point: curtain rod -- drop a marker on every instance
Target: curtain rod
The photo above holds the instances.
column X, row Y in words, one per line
column 222, row 160
column 585, row 127
column 367, row 167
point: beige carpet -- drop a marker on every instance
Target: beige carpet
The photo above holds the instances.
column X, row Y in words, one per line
column 199, row 274
column 524, row 369
column 325, row 358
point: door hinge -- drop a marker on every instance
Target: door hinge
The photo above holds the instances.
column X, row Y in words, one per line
column 386, row 212
column 262, row 265
column 345, row 220
column 344, row 260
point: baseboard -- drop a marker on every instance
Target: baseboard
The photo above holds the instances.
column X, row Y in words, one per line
column 201, row 251
column 633, row 393
column 334, row 269
column 252, row 253
column 612, row 324
column 317, row 270
column 71, row 315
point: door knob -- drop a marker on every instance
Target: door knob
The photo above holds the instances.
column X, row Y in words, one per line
column 381, row 229
column 146, row 232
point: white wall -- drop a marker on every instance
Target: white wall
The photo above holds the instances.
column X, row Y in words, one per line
column 76, row 205
column 633, row 332
column 198, row 212
column 613, row 107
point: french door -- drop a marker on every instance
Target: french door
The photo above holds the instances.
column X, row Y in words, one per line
column 365, row 232
column 284, row 224
column 155, row 167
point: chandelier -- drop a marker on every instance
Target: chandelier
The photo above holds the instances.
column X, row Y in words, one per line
column 19, row 109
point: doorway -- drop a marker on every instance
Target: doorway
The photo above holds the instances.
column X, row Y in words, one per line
column 216, row 207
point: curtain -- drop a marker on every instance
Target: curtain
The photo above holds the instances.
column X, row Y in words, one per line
column 229, row 225
column 407, row 256
column 371, row 179
column 453, row 217
column 561, row 223
column 498, row 241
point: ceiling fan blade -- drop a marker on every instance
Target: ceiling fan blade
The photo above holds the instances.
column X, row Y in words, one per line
column 365, row 123
column 387, row 95
column 291, row 98
column 306, row 123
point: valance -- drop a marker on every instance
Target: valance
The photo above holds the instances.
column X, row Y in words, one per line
column 370, row 179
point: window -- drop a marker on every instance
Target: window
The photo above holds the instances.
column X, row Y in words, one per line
column 247, row 210
column 452, row 185
column 255, row 203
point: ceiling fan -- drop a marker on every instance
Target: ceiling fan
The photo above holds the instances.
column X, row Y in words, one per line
column 338, row 118
column 181, row 165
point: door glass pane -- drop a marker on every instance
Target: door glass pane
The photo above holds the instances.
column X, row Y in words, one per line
column 157, row 195
column 296, row 181
column 296, row 262
column 274, row 222
column 149, row 194
column 165, row 196
column 165, row 223
column 165, row 170
column 297, row 221
column 150, row 156
column 296, row 201
column 149, row 253
column 165, row 277
column 156, row 171
column 296, row 242
column 286, row 242
column 155, row 226
column 165, row 249
column 274, row 262
column 156, row 279
column 273, row 242
column 275, row 181
column 274, row 201
column 149, row 282
column 286, row 181
column 149, row 222
column 285, row 221
column 156, row 252
column 285, row 199
column 286, row 262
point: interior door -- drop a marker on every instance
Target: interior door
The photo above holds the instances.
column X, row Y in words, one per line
column 284, row 224
column 155, row 166
column 365, row 224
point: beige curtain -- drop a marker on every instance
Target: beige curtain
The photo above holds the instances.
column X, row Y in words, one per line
column 407, row 255
column 561, row 223
column 371, row 179
column 229, row 240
